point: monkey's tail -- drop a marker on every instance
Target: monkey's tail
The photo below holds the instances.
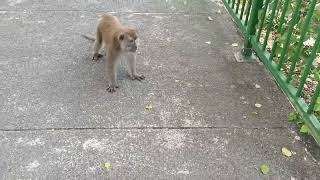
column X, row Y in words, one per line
column 89, row 37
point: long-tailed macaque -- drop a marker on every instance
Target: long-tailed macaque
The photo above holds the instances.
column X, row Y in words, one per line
column 118, row 40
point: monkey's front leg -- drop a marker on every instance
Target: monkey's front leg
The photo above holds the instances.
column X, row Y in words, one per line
column 132, row 67
column 111, row 70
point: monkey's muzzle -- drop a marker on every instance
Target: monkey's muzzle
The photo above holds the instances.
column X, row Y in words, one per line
column 134, row 49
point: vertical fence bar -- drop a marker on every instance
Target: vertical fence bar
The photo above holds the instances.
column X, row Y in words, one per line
column 263, row 16
column 279, row 29
column 314, row 99
column 304, row 31
column 287, row 42
column 309, row 64
column 257, row 5
column 237, row 7
column 248, row 12
column 270, row 24
column 242, row 8
column 233, row 3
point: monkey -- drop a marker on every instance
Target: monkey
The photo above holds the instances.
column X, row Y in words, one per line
column 118, row 40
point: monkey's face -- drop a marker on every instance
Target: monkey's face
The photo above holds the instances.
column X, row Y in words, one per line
column 128, row 42
column 130, row 45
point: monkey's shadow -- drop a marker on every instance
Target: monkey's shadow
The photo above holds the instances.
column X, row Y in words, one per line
column 122, row 73
column 122, row 70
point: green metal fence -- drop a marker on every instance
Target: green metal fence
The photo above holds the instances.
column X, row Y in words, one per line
column 285, row 35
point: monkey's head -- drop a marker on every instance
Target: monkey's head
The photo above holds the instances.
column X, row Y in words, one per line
column 127, row 40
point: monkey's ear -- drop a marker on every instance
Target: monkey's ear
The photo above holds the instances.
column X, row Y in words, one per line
column 133, row 31
column 121, row 37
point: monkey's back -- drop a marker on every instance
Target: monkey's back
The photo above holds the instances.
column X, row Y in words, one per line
column 109, row 26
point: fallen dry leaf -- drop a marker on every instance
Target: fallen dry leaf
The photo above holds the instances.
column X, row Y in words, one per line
column 148, row 107
column 286, row 152
column 265, row 169
column 234, row 44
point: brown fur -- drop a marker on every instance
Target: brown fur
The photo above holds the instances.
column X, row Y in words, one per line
column 117, row 40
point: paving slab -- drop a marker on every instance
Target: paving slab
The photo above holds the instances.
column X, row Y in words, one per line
column 51, row 82
column 152, row 154
column 58, row 121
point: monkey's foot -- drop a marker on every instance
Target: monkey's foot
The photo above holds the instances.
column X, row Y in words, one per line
column 112, row 89
column 137, row 77
column 96, row 56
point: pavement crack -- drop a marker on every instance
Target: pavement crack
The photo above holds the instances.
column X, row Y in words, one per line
column 102, row 11
column 135, row 128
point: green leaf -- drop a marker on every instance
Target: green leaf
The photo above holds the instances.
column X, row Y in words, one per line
column 295, row 117
column 304, row 56
column 292, row 117
column 107, row 165
column 278, row 50
column 260, row 14
column 265, row 169
column 317, row 78
column 284, row 36
column 317, row 108
column 304, row 129
column 316, row 14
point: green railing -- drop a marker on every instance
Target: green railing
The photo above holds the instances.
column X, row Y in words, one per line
column 285, row 35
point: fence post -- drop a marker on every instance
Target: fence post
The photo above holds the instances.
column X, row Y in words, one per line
column 251, row 29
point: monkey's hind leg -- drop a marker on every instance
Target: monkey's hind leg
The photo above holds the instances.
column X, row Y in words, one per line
column 97, row 46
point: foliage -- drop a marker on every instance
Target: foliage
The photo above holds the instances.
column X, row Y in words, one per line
column 296, row 118
column 308, row 43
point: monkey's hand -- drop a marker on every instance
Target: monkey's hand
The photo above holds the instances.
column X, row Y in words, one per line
column 137, row 77
column 96, row 56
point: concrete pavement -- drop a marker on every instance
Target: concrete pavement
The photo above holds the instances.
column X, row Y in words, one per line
column 58, row 121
